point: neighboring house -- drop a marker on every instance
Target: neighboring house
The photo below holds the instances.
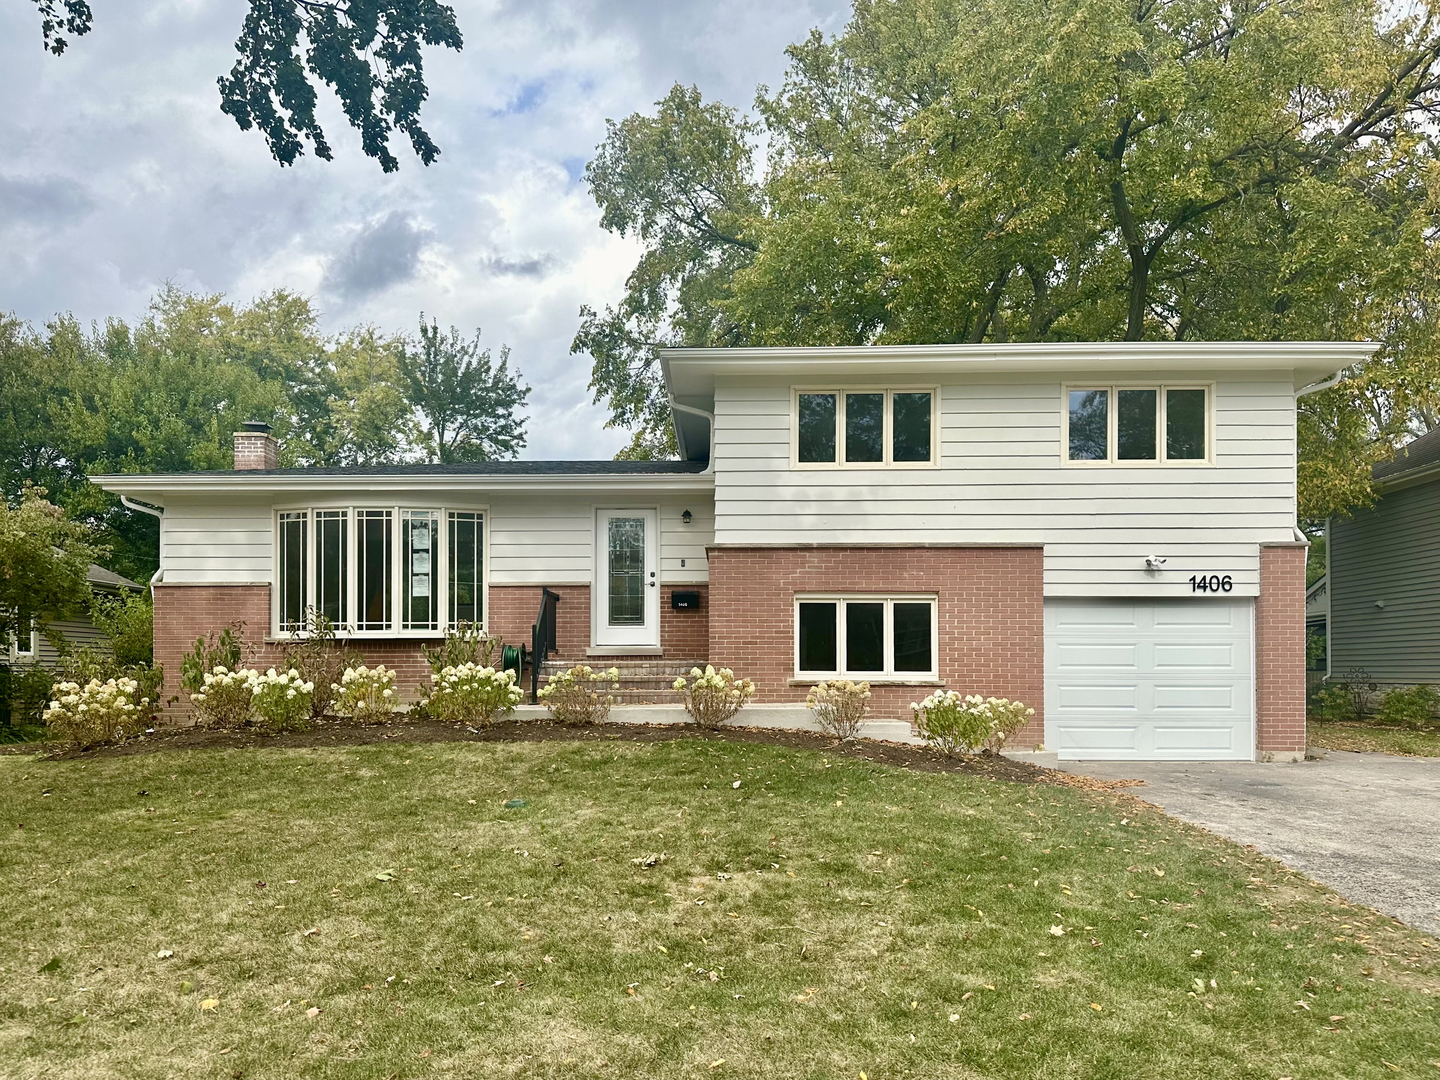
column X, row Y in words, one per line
column 1106, row 532
column 1383, row 574
column 36, row 647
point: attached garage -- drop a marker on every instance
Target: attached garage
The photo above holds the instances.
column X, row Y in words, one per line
column 1150, row 680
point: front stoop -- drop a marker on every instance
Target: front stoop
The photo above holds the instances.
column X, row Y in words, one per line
column 642, row 682
column 774, row 717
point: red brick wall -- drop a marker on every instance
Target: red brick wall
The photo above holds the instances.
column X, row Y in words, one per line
column 991, row 616
column 684, row 635
column 1280, row 651
column 185, row 612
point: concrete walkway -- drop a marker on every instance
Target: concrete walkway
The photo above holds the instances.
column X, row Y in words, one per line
column 1368, row 825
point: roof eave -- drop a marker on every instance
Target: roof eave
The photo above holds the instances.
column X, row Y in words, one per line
column 142, row 485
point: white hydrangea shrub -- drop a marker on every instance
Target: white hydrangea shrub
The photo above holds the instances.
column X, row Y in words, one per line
column 282, row 698
column 366, row 694
column 469, row 693
column 224, row 699
column 96, row 713
column 839, row 706
column 714, row 695
column 966, row 724
column 579, row 696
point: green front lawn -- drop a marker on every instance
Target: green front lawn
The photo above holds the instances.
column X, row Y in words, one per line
column 1369, row 737
column 618, row 909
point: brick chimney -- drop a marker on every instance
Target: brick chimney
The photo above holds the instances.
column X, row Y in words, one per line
column 255, row 447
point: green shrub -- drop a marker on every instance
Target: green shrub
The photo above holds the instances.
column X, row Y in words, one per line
column 1349, row 698
column 465, row 643
column 211, row 652
column 839, row 706
column 321, row 661
column 955, row 724
column 1409, row 706
column 24, row 695
column 576, row 697
column 128, row 623
column 714, row 696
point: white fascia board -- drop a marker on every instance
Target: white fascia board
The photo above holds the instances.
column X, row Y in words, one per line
column 153, row 488
column 693, row 371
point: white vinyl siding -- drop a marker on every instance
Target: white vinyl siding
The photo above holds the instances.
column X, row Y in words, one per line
column 534, row 538
column 1002, row 479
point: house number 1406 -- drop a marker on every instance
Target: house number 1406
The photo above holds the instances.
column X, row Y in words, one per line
column 1213, row 583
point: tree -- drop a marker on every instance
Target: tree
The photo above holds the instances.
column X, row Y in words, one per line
column 44, row 563
column 370, row 52
column 946, row 171
column 467, row 402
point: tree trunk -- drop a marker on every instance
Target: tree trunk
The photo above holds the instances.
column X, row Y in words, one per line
column 1139, row 293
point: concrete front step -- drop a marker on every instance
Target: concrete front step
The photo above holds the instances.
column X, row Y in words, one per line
column 642, row 682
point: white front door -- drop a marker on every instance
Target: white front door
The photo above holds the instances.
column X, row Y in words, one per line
column 627, row 586
column 1155, row 680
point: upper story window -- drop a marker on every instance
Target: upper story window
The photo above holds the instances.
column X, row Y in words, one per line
column 1137, row 424
column 869, row 428
column 380, row 570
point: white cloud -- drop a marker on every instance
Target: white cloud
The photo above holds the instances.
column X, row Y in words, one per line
column 120, row 172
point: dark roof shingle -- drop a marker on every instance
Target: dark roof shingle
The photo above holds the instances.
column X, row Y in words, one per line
column 1415, row 454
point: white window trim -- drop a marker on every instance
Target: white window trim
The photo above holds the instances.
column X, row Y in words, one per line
column 889, row 676
column 17, row 653
column 440, row 569
column 1113, row 427
column 840, row 463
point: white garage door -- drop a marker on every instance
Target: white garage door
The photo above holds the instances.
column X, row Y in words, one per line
column 1149, row 680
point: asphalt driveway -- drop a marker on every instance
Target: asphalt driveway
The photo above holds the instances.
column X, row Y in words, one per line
column 1367, row 825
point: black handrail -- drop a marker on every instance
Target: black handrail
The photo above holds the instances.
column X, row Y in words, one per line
column 542, row 639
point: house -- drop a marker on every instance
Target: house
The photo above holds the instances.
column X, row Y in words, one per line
column 36, row 647
column 1382, row 579
column 1106, row 532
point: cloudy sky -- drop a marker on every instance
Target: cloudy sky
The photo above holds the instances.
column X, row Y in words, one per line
column 118, row 172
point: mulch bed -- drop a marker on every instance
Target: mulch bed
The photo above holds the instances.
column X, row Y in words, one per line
column 343, row 733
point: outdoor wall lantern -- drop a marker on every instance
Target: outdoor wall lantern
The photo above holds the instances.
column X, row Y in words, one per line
column 686, row 517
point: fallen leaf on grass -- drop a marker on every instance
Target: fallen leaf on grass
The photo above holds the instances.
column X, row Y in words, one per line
column 311, row 932
column 209, row 1004
column 720, row 1061
column 312, row 1012
column 53, row 964
column 386, row 875
column 1024, row 1016
column 164, row 954
column 1057, row 931
column 954, row 1017
column 1096, row 1007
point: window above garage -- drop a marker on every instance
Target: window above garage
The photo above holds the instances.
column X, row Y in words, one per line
column 1139, row 425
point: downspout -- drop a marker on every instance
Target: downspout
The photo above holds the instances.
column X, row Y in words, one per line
column 709, row 469
column 1313, row 388
column 159, row 515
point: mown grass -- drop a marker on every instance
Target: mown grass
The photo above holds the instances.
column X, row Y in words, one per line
column 1368, row 737
column 633, row 913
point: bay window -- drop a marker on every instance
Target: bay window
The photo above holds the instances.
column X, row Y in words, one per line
column 866, row 637
column 871, row 428
column 380, row 570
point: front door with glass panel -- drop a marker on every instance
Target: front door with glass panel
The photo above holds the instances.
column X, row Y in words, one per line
column 627, row 585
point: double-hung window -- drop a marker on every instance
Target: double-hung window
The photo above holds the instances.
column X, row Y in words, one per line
column 1127, row 425
column 23, row 645
column 866, row 637
column 867, row 428
column 389, row 570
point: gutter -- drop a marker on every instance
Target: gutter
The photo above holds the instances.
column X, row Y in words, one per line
column 159, row 515
column 1313, row 388
column 709, row 469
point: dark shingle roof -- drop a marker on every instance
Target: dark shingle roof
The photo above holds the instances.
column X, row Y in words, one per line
column 483, row 468
column 98, row 575
column 1415, row 454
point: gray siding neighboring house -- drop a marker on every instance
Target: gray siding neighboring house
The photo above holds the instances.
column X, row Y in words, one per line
column 1383, row 579
column 75, row 632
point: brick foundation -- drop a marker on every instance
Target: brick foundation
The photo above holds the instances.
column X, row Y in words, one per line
column 990, row 609
column 1280, row 652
